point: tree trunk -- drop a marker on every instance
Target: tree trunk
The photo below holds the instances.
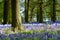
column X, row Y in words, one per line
column 6, row 11
column 31, row 14
column 26, row 10
column 53, row 17
column 41, row 14
column 37, row 14
column 16, row 18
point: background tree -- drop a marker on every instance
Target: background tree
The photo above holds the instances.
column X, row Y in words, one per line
column 32, row 9
column 1, row 10
column 6, row 11
column 47, row 8
column 26, row 10
column 41, row 12
column 53, row 16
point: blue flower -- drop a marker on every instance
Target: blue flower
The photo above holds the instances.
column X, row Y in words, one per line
column 49, row 35
column 11, row 37
column 28, row 35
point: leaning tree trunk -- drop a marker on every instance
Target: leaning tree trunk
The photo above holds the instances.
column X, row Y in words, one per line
column 6, row 11
column 16, row 18
column 53, row 17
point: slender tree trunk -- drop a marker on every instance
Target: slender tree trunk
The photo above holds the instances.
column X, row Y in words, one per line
column 37, row 14
column 26, row 10
column 6, row 11
column 53, row 17
column 16, row 18
column 31, row 14
column 41, row 14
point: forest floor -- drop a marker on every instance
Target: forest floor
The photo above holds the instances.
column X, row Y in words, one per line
column 31, row 32
column 28, row 28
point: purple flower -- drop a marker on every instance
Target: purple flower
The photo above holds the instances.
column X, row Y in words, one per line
column 37, row 28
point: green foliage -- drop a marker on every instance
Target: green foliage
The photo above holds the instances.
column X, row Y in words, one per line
column 6, row 38
column 1, row 11
column 47, row 10
column 51, row 39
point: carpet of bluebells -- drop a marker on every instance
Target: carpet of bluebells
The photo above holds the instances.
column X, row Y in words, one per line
column 34, row 31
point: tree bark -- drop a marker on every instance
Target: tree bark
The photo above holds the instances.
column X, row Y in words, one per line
column 6, row 11
column 53, row 16
column 26, row 10
column 31, row 14
column 41, row 12
column 37, row 14
column 16, row 17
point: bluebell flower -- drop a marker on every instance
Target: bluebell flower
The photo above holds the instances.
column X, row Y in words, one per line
column 49, row 35
column 35, row 34
column 28, row 35
column 2, row 36
column 57, row 21
column 35, row 22
column 11, row 37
